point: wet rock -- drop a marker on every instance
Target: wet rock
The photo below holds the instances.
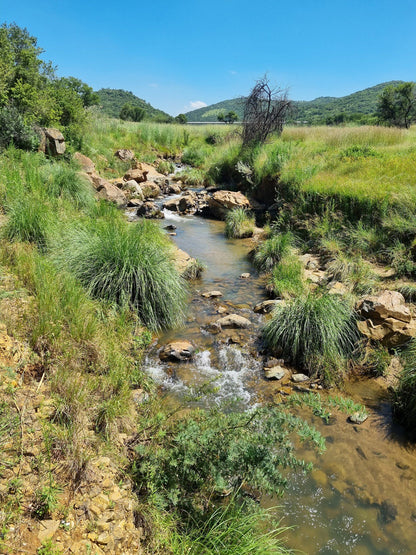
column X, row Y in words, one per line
column 187, row 202
column 213, row 327
column 171, row 205
column 300, row 378
column 275, row 373
column 210, row 294
column 177, row 351
column 386, row 319
column 246, row 275
column 387, row 512
column 170, row 227
column 358, row 417
column 233, row 321
column 271, row 362
column 173, row 189
column 267, row 306
column 150, row 189
column 149, row 210
column 222, row 201
column 124, row 154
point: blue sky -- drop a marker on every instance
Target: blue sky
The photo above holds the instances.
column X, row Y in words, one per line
column 180, row 54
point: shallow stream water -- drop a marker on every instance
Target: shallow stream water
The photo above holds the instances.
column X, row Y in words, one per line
column 361, row 496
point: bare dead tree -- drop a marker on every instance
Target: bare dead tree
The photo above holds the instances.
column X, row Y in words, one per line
column 265, row 110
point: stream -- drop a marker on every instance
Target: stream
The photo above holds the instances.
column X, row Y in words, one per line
column 360, row 498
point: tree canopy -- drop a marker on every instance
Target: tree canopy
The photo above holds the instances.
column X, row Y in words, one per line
column 397, row 105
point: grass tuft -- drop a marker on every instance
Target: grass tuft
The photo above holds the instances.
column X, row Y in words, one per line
column 239, row 224
column 272, row 250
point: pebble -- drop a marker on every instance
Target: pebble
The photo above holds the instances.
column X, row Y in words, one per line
column 358, row 417
column 245, row 275
column 299, row 378
column 275, row 373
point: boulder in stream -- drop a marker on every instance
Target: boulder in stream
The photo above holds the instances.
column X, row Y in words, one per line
column 177, row 351
column 223, row 201
column 233, row 321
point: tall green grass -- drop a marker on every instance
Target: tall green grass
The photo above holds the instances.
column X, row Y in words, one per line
column 405, row 392
column 272, row 250
column 126, row 264
column 287, row 277
column 239, row 224
column 313, row 329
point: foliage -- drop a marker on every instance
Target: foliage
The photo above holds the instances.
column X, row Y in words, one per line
column 194, row 269
column 112, row 100
column 193, row 458
column 287, row 277
column 129, row 112
column 272, row 250
column 228, row 117
column 397, row 105
column 239, row 223
column 14, row 130
column 125, row 263
column 312, row 329
column 181, row 118
column 405, row 392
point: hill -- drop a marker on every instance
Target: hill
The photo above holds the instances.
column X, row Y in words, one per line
column 315, row 111
column 112, row 100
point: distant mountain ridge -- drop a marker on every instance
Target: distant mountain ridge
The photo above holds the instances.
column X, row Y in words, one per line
column 313, row 111
column 112, row 100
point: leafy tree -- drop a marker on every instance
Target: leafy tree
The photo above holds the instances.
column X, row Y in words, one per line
column 131, row 113
column 228, row 117
column 84, row 91
column 181, row 118
column 397, row 105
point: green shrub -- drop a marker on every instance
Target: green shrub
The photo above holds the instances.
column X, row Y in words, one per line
column 287, row 277
column 409, row 292
column 63, row 181
column 239, row 224
column 315, row 329
column 272, row 250
column 14, row 130
column 355, row 152
column 165, row 166
column 405, row 393
column 126, row 263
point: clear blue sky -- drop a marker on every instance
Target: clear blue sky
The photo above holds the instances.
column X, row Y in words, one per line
column 174, row 53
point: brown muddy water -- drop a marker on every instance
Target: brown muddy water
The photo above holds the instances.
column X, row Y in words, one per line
column 360, row 498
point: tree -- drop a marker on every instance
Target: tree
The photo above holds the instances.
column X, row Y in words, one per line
column 181, row 118
column 265, row 111
column 229, row 117
column 397, row 105
column 132, row 113
column 84, row 91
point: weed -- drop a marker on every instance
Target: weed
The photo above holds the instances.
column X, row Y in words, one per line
column 239, row 223
column 272, row 250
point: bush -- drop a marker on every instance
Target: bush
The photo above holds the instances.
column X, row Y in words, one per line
column 312, row 329
column 239, row 224
column 287, row 277
column 29, row 219
column 62, row 181
column 14, row 130
column 125, row 263
column 405, row 393
column 272, row 250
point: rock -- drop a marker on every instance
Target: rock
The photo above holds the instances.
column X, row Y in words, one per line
column 87, row 165
column 135, row 203
column 222, row 201
column 177, row 351
column 108, row 191
column 133, row 188
column 172, row 205
column 246, row 275
column 267, row 306
column 233, row 321
column 170, row 227
column 358, row 417
column 310, row 261
column 182, row 260
column 299, row 378
column 386, row 319
column 150, row 189
column 136, row 174
column 270, row 362
column 210, row 294
column 52, row 141
column 149, row 210
column 275, row 373
column 48, row 529
column 187, row 202
column 214, row 327
column 337, row 288
column 124, row 154
column 173, row 189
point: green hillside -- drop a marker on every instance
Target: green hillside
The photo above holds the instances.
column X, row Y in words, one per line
column 112, row 100
column 313, row 111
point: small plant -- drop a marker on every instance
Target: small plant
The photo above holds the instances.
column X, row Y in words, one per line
column 376, row 360
column 287, row 277
column 239, row 224
column 48, row 548
column 46, row 501
column 272, row 250
column 311, row 329
column 165, row 166
column 409, row 292
column 355, row 152
column 194, row 269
